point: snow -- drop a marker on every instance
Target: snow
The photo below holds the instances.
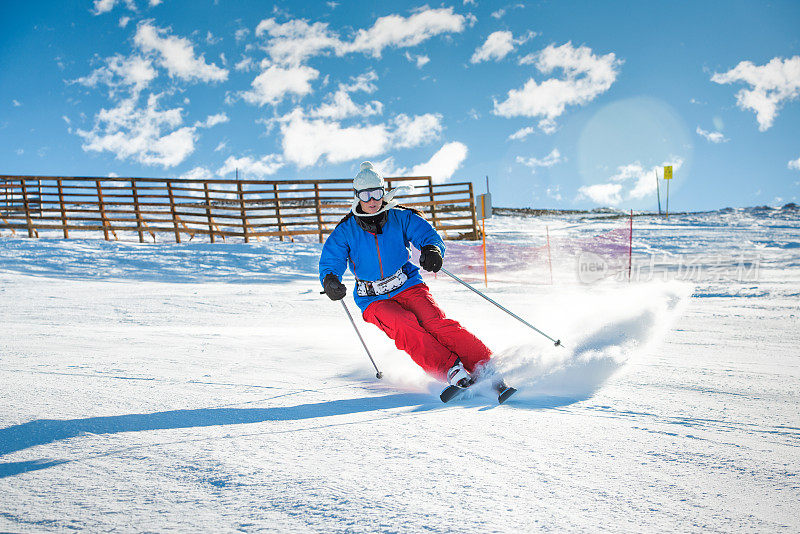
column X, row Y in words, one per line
column 198, row 386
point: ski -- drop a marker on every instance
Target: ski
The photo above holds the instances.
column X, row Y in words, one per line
column 503, row 392
column 450, row 392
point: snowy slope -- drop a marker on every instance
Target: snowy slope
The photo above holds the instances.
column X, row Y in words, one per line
column 210, row 387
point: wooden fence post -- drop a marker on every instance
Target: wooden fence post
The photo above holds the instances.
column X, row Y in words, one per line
column 136, row 210
column 278, row 209
column 63, row 209
column 244, row 214
column 101, row 206
column 172, row 209
column 433, row 206
column 208, row 212
column 27, row 208
column 319, row 212
column 41, row 207
column 472, row 207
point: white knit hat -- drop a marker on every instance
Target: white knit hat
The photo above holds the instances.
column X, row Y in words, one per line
column 367, row 177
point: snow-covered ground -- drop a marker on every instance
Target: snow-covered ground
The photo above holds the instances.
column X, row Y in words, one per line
column 200, row 387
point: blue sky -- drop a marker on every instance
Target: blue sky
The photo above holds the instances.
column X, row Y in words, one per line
column 561, row 104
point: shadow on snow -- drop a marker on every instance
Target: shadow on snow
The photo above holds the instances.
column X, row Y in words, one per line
column 44, row 431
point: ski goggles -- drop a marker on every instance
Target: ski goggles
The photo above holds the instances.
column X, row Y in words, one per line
column 365, row 194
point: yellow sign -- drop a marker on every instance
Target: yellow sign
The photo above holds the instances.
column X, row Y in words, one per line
column 668, row 172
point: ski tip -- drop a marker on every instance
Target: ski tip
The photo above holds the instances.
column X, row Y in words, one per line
column 505, row 394
column 449, row 392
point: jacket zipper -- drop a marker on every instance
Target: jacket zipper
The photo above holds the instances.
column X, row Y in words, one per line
column 380, row 262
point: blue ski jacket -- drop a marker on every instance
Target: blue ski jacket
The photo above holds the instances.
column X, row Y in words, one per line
column 372, row 257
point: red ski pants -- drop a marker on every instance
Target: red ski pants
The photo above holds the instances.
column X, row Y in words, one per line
column 417, row 325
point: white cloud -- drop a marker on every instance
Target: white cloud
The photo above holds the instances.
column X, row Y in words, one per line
column 307, row 141
column 150, row 136
column 553, row 158
column 795, row 164
column 418, row 130
column 176, row 54
column 522, row 133
column 631, row 182
column 441, row 167
column 212, row 120
column 154, row 3
column 443, row 164
column 123, row 21
column 295, row 41
column 500, row 13
column 497, row 46
column 272, row 85
column 339, row 105
column 252, row 168
column 402, row 32
column 586, row 76
column 221, row 146
column 772, row 84
column 363, row 82
column 387, row 167
column 241, row 34
column 66, row 119
column 605, row 194
column 103, row 6
column 554, row 193
column 134, row 73
column 713, row 137
column 210, row 39
column 16, row 103
column 19, row 151
column 198, row 173
column 245, row 65
column 421, row 61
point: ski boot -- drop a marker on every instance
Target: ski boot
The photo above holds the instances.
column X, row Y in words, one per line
column 458, row 376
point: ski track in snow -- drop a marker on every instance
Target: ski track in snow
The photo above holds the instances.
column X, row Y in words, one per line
column 210, row 387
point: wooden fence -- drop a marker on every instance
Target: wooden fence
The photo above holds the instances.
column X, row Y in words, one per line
column 215, row 208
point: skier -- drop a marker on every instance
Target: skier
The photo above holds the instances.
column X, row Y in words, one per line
column 373, row 240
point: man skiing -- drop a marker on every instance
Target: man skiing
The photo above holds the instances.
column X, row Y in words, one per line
column 373, row 240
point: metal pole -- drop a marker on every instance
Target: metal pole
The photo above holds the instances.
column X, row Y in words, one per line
column 557, row 342
column 658, row 192
column 378, row 374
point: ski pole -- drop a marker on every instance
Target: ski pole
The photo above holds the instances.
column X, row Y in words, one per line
column 378, row 374
column 557, row 342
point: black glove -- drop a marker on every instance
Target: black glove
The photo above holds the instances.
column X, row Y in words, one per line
column 430, row 258
column 333, row 287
